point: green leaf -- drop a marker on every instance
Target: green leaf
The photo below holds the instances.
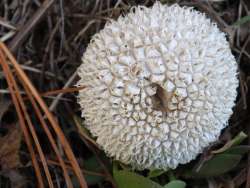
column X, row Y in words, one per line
column 155, row 173
column 176, row 184
column 239, row 138
column 126, row 179
column 92, row 164
column 241, row 21
column 238, row 150
column 92, row 180
column 234, row 142
column 218, row 165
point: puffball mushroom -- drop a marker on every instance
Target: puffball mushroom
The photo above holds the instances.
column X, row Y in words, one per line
column 160, row 84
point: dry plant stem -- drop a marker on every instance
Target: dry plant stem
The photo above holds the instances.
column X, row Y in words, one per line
column 62, row 30
column 57, row 178
column 245, row 7
column 238, row 30
column 248, row 164
column 25, row 30
column 31, row 128
column 81, row 33
column 64, row 91
column 49, row 115
column 82, row 133
column 52, row 162
column 243, row 47
column 22, row 122
column 7, row 36
column 59, row 96
column 243, row 51
column 50, row 137
column 242, row 89
column 36, row 70
column 48, row 46
column 52, row 92
column 109, row 176
column 240, row 178
column 6, row 24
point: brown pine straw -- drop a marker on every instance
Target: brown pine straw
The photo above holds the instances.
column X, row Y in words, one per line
column 36, row 100
column 28, row 120
column 50, row 137
column 52, row 162
column 58, row 91
column 22, row 124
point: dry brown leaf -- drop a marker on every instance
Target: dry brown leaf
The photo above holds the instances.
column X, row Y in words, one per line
column 4, row 105
column 9, row 148
column 17, row 180
column 9, row 156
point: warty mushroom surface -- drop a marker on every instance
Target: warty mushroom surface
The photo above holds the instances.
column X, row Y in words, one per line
column 160, row 84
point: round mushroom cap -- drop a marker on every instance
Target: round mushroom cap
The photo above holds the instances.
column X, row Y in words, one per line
column 160, row 84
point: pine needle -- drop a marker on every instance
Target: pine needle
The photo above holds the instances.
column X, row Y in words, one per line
column 38, row 103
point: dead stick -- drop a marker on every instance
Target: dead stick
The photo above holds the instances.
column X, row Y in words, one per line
column 52, row 162
column 26, row 28
column 248, row 164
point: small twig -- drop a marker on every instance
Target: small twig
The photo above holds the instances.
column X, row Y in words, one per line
column 242, row 51
column 6, row 91
column 62, row 27
column 57, row 99
column 6, row 9
column 95, row 7
column 36, row 70
column 245, row 6
column 244, row 47
column 62, row 91
column 88, row 17
column 85, row 29
column 248, row 163
column 57, row 178
column 26, row 28
column 7, row 36
column 242, row 89
column 92, row 149
column 238, row 30
column 82, row 133
column 110, row 177
column 49, row 93
column 6, row 24
column 52, row 162
column 240, row 178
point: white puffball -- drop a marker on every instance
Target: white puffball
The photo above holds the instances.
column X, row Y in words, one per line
column 160, row 84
